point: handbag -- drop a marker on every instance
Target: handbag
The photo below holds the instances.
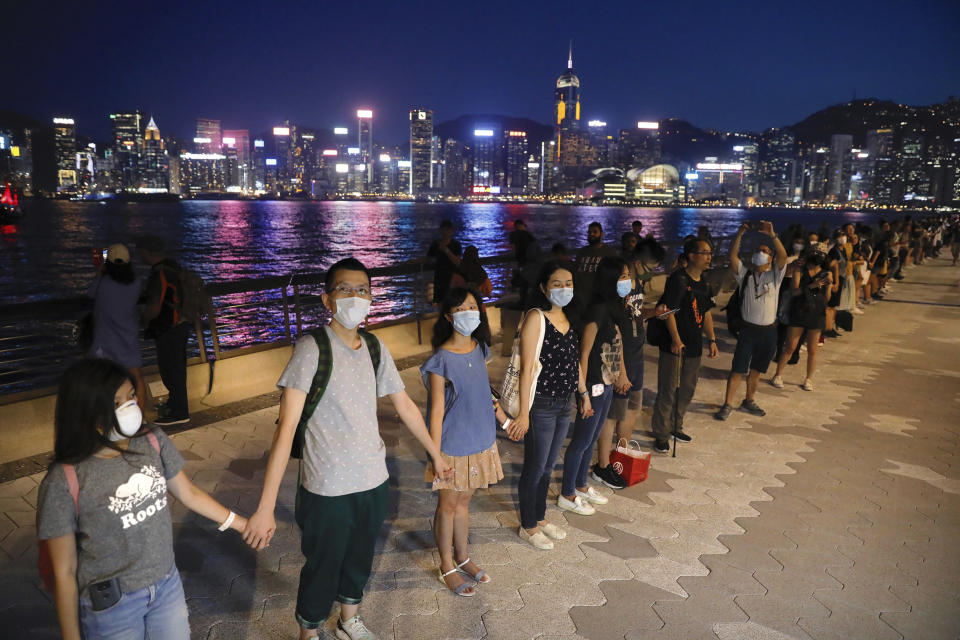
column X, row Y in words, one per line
column 510, row 389
column 633, row 465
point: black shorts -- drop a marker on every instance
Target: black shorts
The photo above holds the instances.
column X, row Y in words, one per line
column 834, row 300
column 756, row 347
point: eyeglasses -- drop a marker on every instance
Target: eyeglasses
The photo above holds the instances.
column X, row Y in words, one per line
column 344, row 290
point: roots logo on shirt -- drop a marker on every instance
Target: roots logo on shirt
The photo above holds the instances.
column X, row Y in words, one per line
column 143, row 486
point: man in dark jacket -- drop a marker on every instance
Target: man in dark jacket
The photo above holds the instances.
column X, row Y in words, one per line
column 163, row 296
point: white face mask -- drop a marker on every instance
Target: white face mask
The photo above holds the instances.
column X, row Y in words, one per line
column 466, row 322
column 351, row 311
column 760, row 258
column 798, row 248
column 130, row 420
column 561, row 296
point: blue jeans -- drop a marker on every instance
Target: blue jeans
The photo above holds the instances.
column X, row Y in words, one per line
column 576, row 461
column 549, row 423
column 156, row 612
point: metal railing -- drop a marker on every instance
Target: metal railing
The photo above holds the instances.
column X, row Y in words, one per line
column 248, row 315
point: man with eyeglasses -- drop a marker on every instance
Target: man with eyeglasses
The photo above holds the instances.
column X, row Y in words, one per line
column 688, row 292
column 342, row 494
column 759, row 294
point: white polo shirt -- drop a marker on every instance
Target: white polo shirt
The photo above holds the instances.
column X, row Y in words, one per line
column 760, row 294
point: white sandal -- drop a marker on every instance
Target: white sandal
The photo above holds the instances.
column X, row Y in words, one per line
column 480, row 577
column 460, row 590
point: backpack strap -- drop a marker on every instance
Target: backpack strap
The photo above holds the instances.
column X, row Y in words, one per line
column 321, row 378
column 373, row 346
column 70, row 472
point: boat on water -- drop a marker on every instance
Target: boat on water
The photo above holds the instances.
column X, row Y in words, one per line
column 9, row 203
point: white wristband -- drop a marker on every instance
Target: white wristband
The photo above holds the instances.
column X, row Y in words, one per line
column 226, row 523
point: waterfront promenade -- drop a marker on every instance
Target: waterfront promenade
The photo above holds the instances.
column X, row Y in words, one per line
column 835, row 516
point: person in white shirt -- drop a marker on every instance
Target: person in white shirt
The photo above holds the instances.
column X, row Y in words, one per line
column 759, row 293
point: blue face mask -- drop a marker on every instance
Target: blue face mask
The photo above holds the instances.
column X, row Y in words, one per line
column 624, row 287
column 561, row 296
column 466, row 322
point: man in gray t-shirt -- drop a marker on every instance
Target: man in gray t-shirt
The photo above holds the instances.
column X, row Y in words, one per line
column 342, row 497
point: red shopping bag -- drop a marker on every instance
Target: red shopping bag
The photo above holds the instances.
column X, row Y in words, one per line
column 631, row 464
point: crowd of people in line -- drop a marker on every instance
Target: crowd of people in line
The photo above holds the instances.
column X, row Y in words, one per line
column 103, row 516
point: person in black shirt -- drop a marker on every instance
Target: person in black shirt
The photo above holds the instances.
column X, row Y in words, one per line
column 588, row 259
column 164, row 324
column 520, row 239
column 687, row 290
column 447, row 252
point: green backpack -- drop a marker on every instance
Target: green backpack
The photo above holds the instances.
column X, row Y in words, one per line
column 322, row 378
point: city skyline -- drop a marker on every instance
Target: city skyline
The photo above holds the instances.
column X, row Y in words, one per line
column 231, row 64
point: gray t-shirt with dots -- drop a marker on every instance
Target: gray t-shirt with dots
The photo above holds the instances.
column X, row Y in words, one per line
column 343, row 450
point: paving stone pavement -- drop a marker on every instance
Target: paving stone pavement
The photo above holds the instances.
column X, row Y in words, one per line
column 835, row 516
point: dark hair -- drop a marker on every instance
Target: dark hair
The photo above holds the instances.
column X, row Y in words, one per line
column 121, row 272
column 446, row 224
column 596, row 224
column 605, row 290
column 559, row 249
column 443, row 329
column 652, row 248
column 538, row 299
column 85, row 409
column 692, row 245
column 347, row 264
column 519, row 223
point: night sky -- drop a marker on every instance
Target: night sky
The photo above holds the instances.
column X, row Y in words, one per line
column 729, row 65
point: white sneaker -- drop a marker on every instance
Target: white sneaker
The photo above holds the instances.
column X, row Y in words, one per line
column 593, row 496
column 807, row 385
column 537, row 540
column 553, row 531
column 777, row 382
column 353, row 629
column 577, row 505
column 857, row 310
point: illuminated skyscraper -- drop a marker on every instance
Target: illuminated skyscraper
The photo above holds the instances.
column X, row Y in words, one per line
column 485, row 161
column 778, row 166
column 574, row 154
column 365, row 140
column 127, row 148
column 838, row 174
column 455, row 168
column 887, row 186
column 208, row 138
column 65, row 141
column 515, row 143
column 639, row 148
column 154, row 166
column 421, row 146
column 748, row 154
column 239, row 139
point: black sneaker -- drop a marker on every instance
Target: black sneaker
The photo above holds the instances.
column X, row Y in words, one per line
column 751, row 406
column 724, row 412
column 830, row 333
column 682, row 437
column 169, row 421
column 608, row 475
column 661, row 446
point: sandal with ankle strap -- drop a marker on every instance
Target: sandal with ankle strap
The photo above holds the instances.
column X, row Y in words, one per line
column 481, row 577
column 460, row 590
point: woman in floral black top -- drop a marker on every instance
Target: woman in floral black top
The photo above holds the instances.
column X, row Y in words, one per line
column 544, row 419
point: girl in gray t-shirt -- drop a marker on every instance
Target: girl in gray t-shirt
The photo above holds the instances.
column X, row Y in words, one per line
column 103, row 516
